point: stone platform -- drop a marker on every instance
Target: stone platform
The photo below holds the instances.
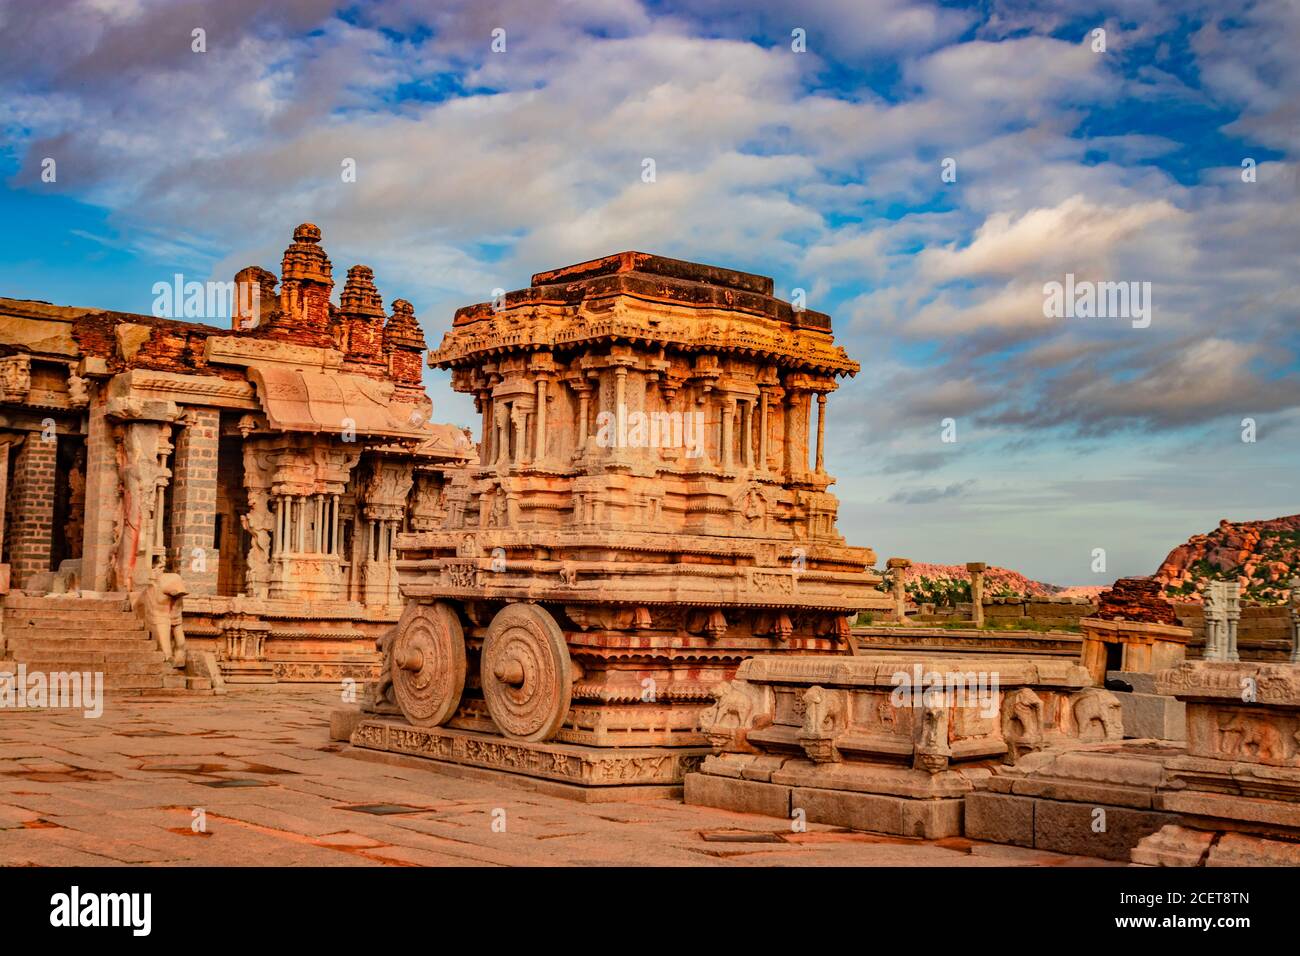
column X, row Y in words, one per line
column 888, row 743
column 1237, row 788
column 1098, row 800
column 563, row 763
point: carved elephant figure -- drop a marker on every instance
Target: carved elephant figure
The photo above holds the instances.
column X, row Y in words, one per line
column 159, row 606
column 1098, row 715
column 739, row 707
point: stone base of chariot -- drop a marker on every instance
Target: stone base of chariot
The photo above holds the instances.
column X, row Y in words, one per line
column 653, row 771
column 891, row 744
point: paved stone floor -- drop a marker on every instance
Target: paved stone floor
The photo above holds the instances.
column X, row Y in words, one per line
column 274, row 790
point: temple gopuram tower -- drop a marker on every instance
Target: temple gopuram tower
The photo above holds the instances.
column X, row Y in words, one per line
column 649, row 509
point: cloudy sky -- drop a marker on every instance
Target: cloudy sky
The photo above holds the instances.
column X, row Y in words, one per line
column 822, row 167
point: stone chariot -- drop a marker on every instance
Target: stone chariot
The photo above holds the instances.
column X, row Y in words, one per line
column 643, row 517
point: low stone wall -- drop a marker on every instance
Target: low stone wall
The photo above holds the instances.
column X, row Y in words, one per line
column 1040, row 764
column 1263, row 632
column 1005, row 611
column 893, row 744
column 1049, row 612
column 940, row 640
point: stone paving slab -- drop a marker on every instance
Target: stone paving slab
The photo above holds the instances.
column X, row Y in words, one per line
column 276, row 791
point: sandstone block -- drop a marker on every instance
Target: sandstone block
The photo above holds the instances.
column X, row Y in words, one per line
column 344, row 720
column 1087, row 830
column 1000, row 818
column 1153, row 716
column 742, row 796
column 930, row 819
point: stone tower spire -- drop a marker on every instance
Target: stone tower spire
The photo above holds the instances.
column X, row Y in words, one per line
column 255, row 297
column 363, row 318
column 404, row 344
column 305, row 286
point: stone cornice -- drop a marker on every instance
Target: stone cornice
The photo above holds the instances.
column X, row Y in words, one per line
column 712, row 330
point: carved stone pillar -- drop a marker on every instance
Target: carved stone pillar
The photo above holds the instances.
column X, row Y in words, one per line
column 539, row 454
column 763, row 454
column 1295, row 620
column 1222, row 609
column 5, row 442
column 821, row 432
column 384, row 488
column 1233, row 590
column 977, row 569
column 583, row 389
column 143, row 446
column 483, row 403
column 747, row 432
column 518, row 415
column 501, row 435
column 728, row 436
column 797, row 404
column 898, row 586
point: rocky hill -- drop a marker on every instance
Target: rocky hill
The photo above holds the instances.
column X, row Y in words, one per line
column 1262, row 555
column 950, row 583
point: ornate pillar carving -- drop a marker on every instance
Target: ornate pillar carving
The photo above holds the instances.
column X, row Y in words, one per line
column 821, row 432
column 539, row 454
column 143, row 446
column 728, row 433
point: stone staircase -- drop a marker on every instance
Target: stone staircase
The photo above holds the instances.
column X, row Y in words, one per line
column 97, row 634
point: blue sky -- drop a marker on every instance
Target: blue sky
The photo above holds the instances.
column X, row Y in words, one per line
column 821, row 168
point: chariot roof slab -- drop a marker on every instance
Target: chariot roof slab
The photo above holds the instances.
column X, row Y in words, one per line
column 634, row 296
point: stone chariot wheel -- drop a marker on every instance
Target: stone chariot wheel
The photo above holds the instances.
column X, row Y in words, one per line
column 428, row 663
column 527, row 680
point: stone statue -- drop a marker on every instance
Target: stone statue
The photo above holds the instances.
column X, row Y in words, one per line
column 258, row 522
column 159, row 606
column 78, row 391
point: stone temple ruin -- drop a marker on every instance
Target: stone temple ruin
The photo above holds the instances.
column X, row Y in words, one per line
column 270, row 465
column 631, row 584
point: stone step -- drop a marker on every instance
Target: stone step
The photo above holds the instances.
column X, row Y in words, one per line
column 42, row 654
column 78, row 643
column 136, row 682
column 115, row 669
column 16, row 600
column 62, row 621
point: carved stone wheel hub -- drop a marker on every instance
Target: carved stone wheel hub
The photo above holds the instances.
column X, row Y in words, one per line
column 526, row 674
column 428, row 663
